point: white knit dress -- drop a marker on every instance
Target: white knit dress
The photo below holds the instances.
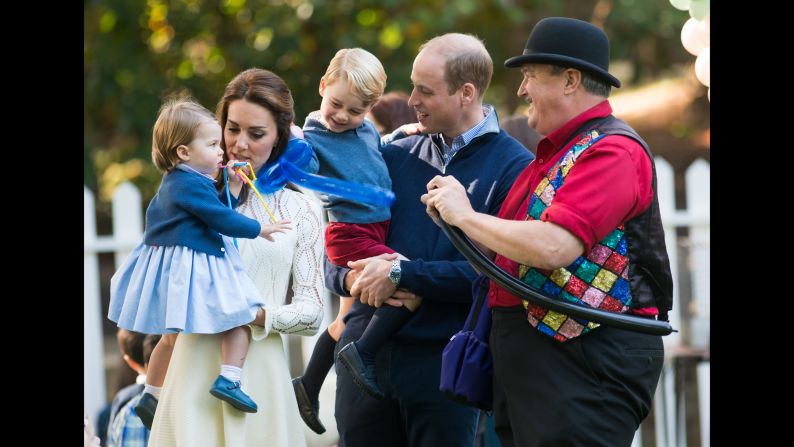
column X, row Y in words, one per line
column 187, row 415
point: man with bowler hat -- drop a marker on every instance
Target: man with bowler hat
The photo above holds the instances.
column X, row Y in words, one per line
column 582, row 224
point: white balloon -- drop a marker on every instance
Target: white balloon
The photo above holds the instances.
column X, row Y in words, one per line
column 704, row 30
column 699, row 8
column 703, row 67
column 681, row 5
column 690, row 37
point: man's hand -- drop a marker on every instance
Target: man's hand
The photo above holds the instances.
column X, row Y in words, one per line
column 447, row 198
column 373, row 286
column 355, row 272
column 403, row 297
column 350, row 278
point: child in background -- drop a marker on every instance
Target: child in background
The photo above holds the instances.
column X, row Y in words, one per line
column 348, row 147
column 391, row 113
column 125, row 428
column 131, row 348
column 187, row 275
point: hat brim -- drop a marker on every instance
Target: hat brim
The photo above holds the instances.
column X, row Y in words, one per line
column 556, row 59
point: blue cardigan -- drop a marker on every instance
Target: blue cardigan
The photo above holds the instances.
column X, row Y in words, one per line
column 487, row 168
column 187, row 211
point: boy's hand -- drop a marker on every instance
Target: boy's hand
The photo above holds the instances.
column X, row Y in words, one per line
column 411, row 129
column 278, row 227
column 295, row 131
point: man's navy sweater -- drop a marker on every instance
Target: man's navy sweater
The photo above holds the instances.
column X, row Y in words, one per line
column 437, row 272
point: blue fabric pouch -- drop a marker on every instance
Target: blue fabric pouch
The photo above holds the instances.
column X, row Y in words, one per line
column 466, row 363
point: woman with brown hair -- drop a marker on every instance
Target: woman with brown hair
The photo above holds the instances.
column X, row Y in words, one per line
column 255, row 113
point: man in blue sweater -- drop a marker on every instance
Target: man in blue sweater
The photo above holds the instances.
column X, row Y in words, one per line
column 450, row 75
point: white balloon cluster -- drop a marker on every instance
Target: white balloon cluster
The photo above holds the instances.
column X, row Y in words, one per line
column 696, row 36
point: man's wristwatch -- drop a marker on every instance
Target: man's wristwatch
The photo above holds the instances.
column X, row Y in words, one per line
column 395, row 272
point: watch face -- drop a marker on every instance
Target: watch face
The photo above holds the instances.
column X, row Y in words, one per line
column 394, row 273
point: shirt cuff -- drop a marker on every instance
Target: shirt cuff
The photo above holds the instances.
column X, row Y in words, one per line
column 571, row 220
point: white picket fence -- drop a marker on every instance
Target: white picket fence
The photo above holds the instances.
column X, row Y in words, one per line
column 670, row 429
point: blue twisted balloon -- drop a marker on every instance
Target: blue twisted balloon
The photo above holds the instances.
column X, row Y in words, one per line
column 291, row 165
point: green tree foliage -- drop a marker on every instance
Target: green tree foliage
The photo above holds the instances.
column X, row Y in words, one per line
column 137, row 52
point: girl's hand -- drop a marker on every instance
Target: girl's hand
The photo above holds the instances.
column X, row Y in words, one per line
column 231, row 172
column 279, row 227
column 235, row 180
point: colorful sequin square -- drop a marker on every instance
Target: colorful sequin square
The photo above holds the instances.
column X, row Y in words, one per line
column 611, row 304
column 571, row 328
column 604, row 280
column 542, row 185
column 546, row 330
column 560, row 277
column 554, row 319
column 621, row 291
column 612, row 238
column 599, row 253
column 576, row 286
column 621, row 248
column 587, row 271
column 616, row 263
column 551, row 288
column 534, row 278
column 536, row 208
column 536, row 311
column 547, row 195
column 565, row 168
column 557, row 180
column 532, row 320
column 593, row 297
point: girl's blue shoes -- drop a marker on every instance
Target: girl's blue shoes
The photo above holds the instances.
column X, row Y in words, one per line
column 225, row 389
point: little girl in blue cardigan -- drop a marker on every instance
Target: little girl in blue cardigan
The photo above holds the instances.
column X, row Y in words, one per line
column 187, row 275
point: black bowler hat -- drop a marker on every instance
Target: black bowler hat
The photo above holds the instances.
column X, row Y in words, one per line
column 570, row 43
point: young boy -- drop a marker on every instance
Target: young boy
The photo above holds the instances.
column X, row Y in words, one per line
column 348, row 147
column 126, row 428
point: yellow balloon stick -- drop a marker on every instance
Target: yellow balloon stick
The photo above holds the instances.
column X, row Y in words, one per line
column 245, row 177
column 251, row 169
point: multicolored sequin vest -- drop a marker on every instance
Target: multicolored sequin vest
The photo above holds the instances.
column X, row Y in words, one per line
column 598, row 279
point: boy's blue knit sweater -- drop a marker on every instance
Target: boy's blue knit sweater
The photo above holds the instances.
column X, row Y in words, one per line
column 352, row 155
column 486, row 167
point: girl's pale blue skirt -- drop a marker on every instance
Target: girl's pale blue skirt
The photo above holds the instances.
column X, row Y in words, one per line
column 160, row 290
